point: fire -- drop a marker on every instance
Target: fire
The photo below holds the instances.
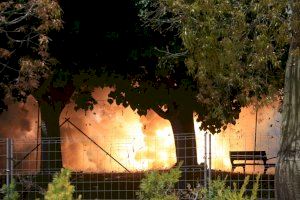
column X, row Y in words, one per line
column 137, row 143
column 143, row 143
column 220, row 149
column 219, row 152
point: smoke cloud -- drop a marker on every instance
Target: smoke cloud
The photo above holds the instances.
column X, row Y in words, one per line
column 20, row 122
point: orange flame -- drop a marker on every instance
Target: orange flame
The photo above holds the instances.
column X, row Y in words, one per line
column 142, row 143
column 138, row 143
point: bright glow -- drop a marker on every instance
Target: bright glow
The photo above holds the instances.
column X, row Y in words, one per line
column 143, row 143
column 139, row 143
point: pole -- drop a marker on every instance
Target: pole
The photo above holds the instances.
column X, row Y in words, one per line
column 256, row 111
column 37, row 138
column 205, row 160
column 9, row 161
column 209, row 157
column 255, row 128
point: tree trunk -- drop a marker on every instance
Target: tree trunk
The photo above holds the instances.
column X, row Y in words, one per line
column 185, row 143
column 185, row 140
column 287, row 177
column 51, row 158
column 288, row 166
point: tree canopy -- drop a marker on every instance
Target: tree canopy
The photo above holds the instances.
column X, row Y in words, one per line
column 24, row 50
column 236, row 50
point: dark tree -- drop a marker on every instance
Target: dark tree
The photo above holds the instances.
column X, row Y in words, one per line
column 237, row 52
column 27, row 65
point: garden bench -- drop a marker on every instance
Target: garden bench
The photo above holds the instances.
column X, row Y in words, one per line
column 243, row 158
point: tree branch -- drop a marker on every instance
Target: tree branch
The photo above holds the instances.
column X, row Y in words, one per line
column 172, row 55
column 8, row 67
column 19, row 19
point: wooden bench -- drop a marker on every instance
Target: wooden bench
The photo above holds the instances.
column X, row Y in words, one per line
column 243, row 158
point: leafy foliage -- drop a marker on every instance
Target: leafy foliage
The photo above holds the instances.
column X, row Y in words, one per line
column 60, row 187
column 217, row 190
column 236, row 50
column 10, row 192
column 154, row 70
column 24, row 52
column 159, row 186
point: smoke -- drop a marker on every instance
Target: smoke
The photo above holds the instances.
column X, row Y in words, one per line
column 20, row 116
column 20, row 122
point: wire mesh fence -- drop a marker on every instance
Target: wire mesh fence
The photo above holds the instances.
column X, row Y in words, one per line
column 105, row 168
column 110, row 148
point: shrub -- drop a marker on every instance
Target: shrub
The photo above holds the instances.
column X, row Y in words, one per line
column 160, row 186
column 217, row 190
column 61, row 188
column 10, row 192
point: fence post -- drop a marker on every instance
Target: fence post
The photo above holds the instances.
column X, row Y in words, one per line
column 205, row 160
column 209, row 158
column 9, row 161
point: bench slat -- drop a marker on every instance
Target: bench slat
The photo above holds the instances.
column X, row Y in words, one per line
column 260, row 153
column 249, row 156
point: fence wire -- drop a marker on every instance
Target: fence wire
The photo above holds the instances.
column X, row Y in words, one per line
column 106, row 168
